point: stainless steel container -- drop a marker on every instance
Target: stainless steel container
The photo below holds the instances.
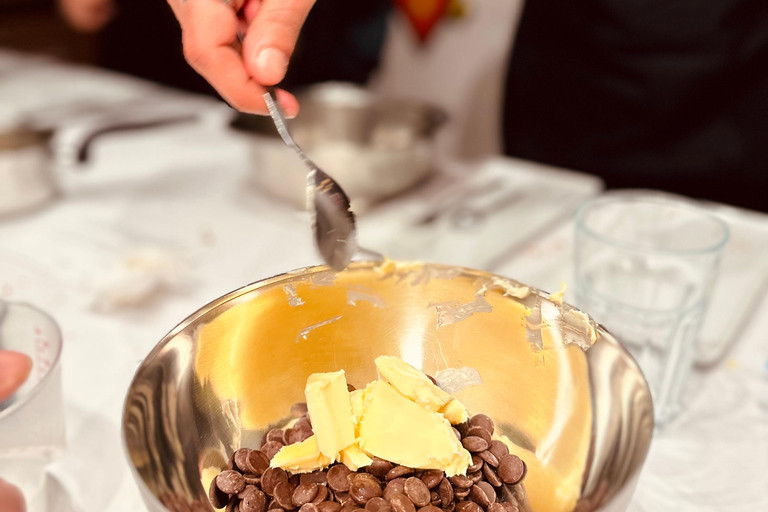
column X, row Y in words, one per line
column 374, row 147
column 559, row 386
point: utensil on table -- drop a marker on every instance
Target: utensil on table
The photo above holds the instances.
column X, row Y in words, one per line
column 232, row 370
column 333, row 222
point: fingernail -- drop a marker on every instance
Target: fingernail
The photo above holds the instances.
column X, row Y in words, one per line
column 272, row 65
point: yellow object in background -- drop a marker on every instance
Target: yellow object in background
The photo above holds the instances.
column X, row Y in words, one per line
column 331, row 412
column 399, row 430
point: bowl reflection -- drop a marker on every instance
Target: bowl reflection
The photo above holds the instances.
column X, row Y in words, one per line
column 559, row 386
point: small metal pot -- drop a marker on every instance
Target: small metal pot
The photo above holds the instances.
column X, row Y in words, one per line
column 374, row 147
column 29, row 155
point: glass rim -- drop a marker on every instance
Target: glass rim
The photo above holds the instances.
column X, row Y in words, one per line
column 657, row 197
column 24, row 400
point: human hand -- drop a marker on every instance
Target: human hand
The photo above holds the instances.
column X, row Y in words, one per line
column 11, row 499
column 14, row 370
column 87, row 15
column 210, row 31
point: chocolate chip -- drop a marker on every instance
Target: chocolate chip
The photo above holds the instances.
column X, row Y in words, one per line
column 271, row 448
column 430, row 508
column 498, row 448
column 230, row 481
column 363, row 487
column 432, row 478
column 480, row 432
column 239, row 460
column 489, row 491
column 337, row 478
column 283, row 495
column 309, row 507
column 462, row 428
column 397, row 472
column 274, row 506
column 217, row 497
column 379, row 468
column 322, row 494
column 468, row 506
column 329, row 506
column 450, row 508
column 434, row 499
column 476, row 476
column 245, row 490
column 350, row 387
column 233, row 505
column 299, row 434
column 417, row 491
column 257, row 462
column 304, row 493
column 253, row 501
column 344, row 499
column 303, row 423
column 483, row 421
column 277, row 435
column 474, row 444
column 401, row 503
column 396, row 485
column 489, row 458
column 315, row 477
column 446, row 493
column 272, row 477
column 477, row 495
column 511, row 469
column 378, row 505
column 496, row 507
column 477, row 464
column 294, row 480
column 461, row 481
column 432, row 379
column 491, row 476
column 456, row 433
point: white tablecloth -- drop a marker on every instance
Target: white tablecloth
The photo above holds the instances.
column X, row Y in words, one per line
column 179, row 192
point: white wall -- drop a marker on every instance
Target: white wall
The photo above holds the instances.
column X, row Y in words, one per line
column 461, row 68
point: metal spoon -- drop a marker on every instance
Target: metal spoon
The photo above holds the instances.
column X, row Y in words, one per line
column 333, row 223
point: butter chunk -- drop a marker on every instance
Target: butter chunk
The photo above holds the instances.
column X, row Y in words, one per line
column 303, row 457
column 416, row 386
column 396, row 429
column 355, row 458
column 329, row 407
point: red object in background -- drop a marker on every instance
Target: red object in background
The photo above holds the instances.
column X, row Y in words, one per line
column 423, row 14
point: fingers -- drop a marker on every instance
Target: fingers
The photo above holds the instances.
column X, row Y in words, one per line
column 272, row 36
column 11, row 499
column 87, row 15
column 14, row 370
column 209, row 30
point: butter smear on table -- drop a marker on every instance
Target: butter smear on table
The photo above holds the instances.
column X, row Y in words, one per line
column 402, row 417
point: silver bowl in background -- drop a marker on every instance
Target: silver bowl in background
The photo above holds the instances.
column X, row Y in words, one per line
column 232, row 370
column 374, row 147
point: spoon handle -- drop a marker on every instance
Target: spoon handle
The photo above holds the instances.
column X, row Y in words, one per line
column 281, row 124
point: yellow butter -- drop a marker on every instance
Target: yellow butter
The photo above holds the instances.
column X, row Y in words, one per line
column 399, row 430
column 355, row 458
column 303, row 457
column 329, row 407
column 415, row 385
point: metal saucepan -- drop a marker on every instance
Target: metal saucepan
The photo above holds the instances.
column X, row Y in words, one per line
column 29, row 154
column 374, row 147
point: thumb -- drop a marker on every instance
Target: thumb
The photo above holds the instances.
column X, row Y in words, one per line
column 11, row 499
column 272, row 36
column 14, row 370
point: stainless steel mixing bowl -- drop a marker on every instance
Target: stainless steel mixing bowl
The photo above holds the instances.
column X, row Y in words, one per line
column 559, row 386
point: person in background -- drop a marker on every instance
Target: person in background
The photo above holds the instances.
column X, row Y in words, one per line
column 14, row 370
column 340, row 40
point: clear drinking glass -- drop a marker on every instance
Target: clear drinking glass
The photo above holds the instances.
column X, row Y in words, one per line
column 32, row 420
column 645, row 266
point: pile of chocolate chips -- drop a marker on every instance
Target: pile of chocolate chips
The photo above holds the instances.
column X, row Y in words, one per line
column 492, row 483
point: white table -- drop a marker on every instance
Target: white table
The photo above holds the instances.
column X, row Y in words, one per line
column 179, row 192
